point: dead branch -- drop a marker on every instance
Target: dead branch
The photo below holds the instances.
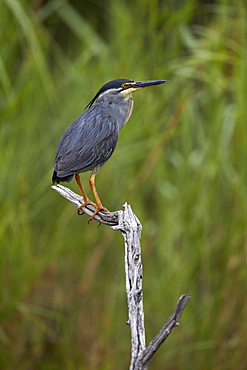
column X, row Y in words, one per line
column 128, row 224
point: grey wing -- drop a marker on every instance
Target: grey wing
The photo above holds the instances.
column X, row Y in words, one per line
column 87, row 143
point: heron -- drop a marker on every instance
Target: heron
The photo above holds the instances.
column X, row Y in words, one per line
column 91, row 139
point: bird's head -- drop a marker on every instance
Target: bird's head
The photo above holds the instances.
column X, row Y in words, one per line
column 123, row 86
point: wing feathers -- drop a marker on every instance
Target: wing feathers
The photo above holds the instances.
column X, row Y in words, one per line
column 88, row 142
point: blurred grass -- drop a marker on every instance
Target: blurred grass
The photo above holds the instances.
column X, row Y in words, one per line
column 180, row 162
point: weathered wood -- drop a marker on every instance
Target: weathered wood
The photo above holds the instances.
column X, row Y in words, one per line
column 107, row 218
column 146, row 356
column 128, row 224
column 130, row 227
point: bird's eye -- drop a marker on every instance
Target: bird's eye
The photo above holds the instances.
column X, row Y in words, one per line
column 127, row 85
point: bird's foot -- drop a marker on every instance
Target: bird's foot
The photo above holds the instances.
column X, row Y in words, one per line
column 98, row 209
column 79, row 210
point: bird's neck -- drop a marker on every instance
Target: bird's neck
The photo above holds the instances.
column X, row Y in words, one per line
column 120, row 108
column 123, row 111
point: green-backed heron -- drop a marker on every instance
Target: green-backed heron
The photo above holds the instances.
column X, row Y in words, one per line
column 91, row 139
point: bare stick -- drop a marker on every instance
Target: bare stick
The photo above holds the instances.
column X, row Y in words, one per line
column 130, row 227
column 147, row 355
column 128, row 224
column 107, row 218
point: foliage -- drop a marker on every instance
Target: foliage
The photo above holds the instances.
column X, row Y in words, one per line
column 180, row 163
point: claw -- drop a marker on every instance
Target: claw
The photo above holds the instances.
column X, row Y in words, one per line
column 91, row 219
column 83, row 205
column 99, row 208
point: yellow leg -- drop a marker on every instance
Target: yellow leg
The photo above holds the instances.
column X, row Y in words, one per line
column 96, row 196
column 85, row 198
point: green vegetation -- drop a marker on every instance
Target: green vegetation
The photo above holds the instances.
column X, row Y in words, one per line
column 180, row 163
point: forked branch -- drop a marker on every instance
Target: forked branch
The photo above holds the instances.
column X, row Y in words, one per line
column 128, row 224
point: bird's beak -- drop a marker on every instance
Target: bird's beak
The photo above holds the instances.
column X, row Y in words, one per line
column 142, row 84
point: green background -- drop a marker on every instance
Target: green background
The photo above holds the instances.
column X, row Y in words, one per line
column 180, row 163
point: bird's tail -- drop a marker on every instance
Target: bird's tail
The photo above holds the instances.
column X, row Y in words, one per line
column 56, row 179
